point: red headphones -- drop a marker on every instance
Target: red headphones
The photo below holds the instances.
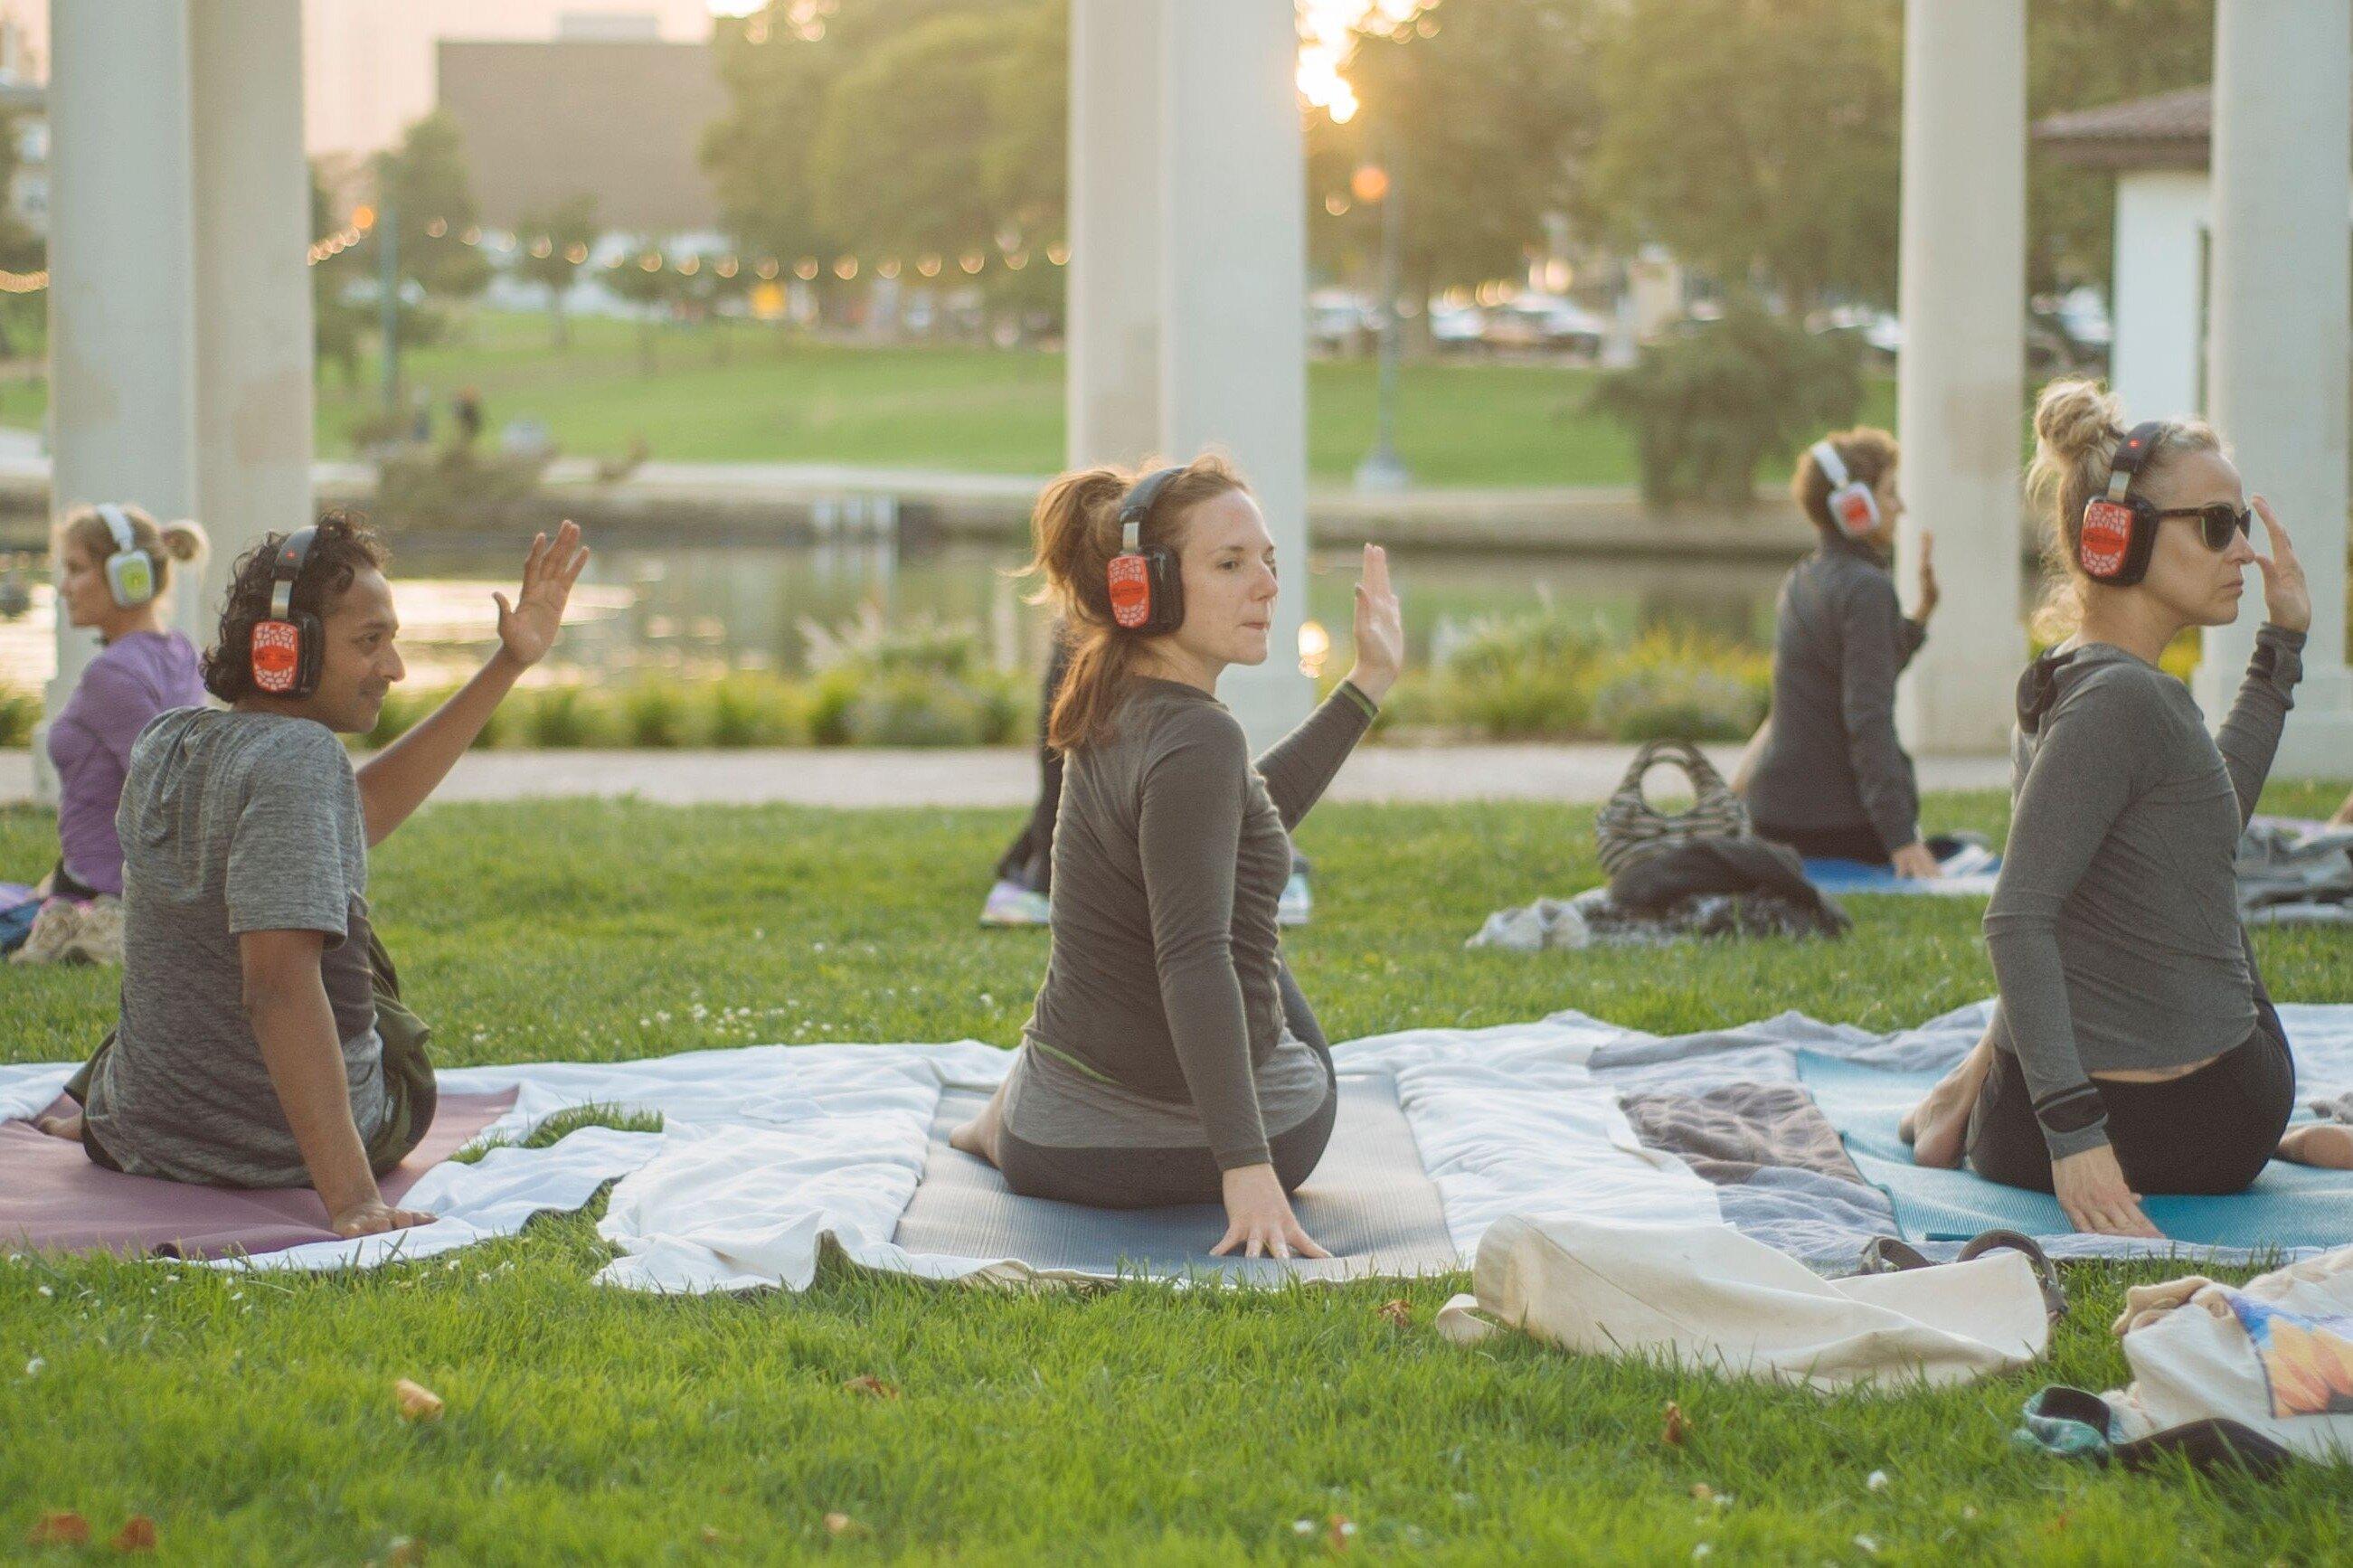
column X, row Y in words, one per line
column 287, row 648
column 1853, row 506
column 2119, row 528
column 1148, row 590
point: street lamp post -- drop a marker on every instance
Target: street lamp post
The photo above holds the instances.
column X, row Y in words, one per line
column 1383, row 470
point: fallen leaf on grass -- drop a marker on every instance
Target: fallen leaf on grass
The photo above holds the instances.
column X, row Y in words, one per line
column 406, row 1552
column 417, row 1402
column 712, row 1536
column 1677, row 1428
column 872, row 1386
column 842, row 1524
column 1339, row 1532
column 1398, row 1312
column 58, row 1529
column 137, row 1534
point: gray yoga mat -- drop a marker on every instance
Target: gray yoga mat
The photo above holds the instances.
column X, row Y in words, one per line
column 1367, row 1203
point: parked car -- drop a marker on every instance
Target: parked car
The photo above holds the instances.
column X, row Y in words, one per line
column 1339, row 322
column 1454, row 328
column 1544, row 321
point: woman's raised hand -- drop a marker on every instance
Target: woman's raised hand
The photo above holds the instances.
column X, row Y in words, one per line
column 1381, row 628
column 1259, row 1219
column 2287, row 600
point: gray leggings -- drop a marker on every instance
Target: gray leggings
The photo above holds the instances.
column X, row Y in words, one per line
column 1135, row 1178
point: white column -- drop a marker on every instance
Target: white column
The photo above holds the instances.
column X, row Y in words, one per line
column 2161, row 291
column 1233, row 351
column 1960, row 376
column 121, row 294
column 2277, row 384
column 254, row 338
column 1111, row 384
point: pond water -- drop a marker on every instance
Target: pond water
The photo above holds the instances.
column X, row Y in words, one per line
column 751, row 607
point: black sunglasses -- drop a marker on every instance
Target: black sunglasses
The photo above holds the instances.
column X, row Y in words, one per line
column 2216, row 521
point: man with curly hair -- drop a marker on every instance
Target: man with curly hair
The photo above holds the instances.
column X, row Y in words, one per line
column 262, row 1041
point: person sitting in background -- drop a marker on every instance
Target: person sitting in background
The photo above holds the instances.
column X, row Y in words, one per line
column 262, row 1042
column 1171, row 1057
column 114, row 567
column 1829, row 778
column 2134, row 1048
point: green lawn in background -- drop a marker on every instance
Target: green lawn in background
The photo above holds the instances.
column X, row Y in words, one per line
column 780, row 398
column 253, row 1419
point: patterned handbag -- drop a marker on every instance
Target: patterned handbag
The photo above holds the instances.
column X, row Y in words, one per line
column 1630, row 829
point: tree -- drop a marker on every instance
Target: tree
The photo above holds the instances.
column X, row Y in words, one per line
column 1758, row 139
column 21, row 251
column 337, row 323
column 655, row 290
column 1483, row 114
column 423, row 186
column 553, row 243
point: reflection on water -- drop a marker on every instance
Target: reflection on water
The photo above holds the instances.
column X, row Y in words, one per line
column 745, row 607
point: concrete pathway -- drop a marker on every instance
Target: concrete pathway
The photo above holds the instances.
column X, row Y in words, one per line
column 1000, row 776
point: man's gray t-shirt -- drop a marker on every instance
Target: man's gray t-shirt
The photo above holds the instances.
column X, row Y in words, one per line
column 230, row 823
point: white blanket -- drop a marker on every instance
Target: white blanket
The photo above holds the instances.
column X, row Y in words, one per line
column 769, row 1151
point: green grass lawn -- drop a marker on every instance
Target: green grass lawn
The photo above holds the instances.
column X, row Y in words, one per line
column 253, row 1419
column 777, row 398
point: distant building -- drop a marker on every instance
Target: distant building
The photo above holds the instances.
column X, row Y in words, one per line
column 620, row 120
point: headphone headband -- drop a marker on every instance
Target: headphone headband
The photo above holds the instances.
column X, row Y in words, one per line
column 118, row 523
column 2132, row 455
column 1833, row 467
column 1135, row 507
column 292, row 551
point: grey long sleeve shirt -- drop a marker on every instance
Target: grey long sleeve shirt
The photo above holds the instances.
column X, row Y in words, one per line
column 1170, row 855
column 2113, row 928
column 1831, row 758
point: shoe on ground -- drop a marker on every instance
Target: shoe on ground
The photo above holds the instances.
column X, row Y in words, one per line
column 1011, row 904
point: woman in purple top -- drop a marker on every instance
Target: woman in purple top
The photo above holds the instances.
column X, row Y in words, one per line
column 114, row 564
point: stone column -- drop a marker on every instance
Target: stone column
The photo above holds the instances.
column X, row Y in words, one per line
column 2160, row 291
column 2276, row 378
column 1232, row 351
column 122, row 292
column 254, row 338
column 1960, row 376
column 1111, row 385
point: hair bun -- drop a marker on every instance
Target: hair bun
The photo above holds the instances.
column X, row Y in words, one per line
column 2072, row 418
column 185, row 540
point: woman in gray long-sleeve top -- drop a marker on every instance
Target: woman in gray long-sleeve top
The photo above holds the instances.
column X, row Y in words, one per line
column 2134, row 1049
column 1170, row 1057
column 1831, row 777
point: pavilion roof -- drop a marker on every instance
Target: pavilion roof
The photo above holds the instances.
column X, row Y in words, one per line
column 2170, row 130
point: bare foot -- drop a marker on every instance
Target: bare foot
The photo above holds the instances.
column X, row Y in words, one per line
column 977, row 1137
column 2328, row 1144
column 66, row 1124
column 1938, row 1127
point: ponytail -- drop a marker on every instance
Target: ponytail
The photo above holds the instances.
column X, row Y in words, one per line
column 1076, row 533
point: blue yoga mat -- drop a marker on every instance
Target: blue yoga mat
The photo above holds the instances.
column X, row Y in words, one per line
column 2289, row 1206
column 1969, row 871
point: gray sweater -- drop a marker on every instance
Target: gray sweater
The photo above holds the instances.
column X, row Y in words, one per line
column 1831, row 758
column 1170, row 854
column 2113, row 928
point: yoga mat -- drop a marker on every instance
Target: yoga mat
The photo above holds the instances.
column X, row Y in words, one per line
column 1367, row 1203
column 52, row 1199
column 2289, row 1206
column 1969, row 872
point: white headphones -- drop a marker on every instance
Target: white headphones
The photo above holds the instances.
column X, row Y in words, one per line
column 130, row 571
column 1853, row 506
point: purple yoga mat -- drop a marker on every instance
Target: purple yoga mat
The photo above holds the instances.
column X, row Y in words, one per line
column 52, row 1199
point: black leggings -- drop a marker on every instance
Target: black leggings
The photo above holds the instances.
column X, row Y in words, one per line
column 2206, row 1132
column 1136, row 1178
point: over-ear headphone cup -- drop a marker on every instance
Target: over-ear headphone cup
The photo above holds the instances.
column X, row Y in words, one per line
column 2116, row 541
column 286, row 656
column 1167, row 591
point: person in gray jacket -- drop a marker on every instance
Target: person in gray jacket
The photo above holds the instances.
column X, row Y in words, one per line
column 1830, row 776
column 1171, row 1057
column 2134, row 1048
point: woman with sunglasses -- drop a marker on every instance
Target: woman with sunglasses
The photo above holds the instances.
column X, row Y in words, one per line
column 2134, row 1049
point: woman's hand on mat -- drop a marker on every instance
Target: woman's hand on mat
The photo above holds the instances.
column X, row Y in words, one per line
column 1915, row 860
column 2287, row 600
column 527, row 628
column 1259, row 1220
column 1381, row 628
column 2091, row 1187
column 1929, row 596
column 372, row 1216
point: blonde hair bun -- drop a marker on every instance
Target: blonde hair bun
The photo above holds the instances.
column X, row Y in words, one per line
column 2074, row 418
